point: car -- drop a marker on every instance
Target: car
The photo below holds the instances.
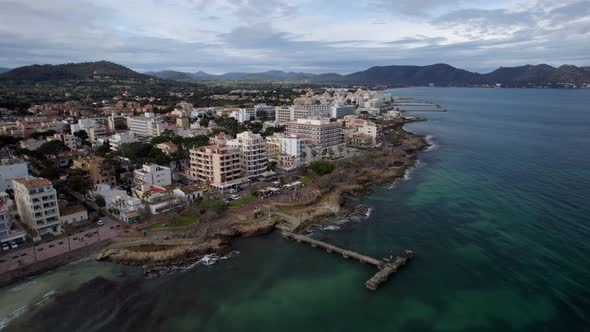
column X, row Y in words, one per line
column 5, row 246
column 39, row 249
column 227, row 200
column 234, row 197
column 233, row 191
column 51, row 246
column 61, row 242
column 13, row 245
column 100, row 222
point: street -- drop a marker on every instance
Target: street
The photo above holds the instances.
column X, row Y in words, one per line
column 11, row 260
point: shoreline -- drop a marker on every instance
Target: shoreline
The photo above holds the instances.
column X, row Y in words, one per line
column 352, row 177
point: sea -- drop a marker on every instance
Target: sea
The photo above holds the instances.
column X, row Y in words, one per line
column 497, row 212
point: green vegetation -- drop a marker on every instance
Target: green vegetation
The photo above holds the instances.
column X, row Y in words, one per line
column 322, row 167
column 243, row 201
column 175, row 221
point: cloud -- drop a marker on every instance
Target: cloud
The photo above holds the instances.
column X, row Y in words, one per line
column 293, row 35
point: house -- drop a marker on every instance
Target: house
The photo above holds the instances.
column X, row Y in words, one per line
column 74, row 214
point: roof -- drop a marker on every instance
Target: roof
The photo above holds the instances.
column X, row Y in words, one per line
column 190, row 189
column 31, row 183
column 168, row 144
column 65, row 211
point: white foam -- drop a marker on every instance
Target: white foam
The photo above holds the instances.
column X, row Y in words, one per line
column 431, row 142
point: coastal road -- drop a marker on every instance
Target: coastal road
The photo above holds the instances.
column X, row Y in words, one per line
column 12, row 260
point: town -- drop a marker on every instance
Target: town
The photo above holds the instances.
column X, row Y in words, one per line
column 77, row 173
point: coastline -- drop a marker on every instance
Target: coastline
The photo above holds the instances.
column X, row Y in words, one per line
column 352, row 177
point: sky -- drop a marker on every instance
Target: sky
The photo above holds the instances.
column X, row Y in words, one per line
column 317, row 36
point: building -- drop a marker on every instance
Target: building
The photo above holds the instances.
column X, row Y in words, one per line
column 145, row 126
column 96, row 133
column 274, row 145
column 188, row 193
column 7, row 233
column 126, row 207
column 153, row 175
column 99, row 169
column 75, row 214
column 168, row 148
column 217, row 166
column 340, row 111
column 36, row 202
column 11, row 169
column 183, row 122
column 117, row 122
column 360, row 132
column 316, row 131
column 253, row 152
column 117, row 140
column 244, row 114
column 68, row 140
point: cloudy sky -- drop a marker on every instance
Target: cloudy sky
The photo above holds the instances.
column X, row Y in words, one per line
column 294, row 35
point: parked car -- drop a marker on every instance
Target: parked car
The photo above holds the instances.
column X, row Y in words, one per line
column 233, row 191
column 234, row 197
column 227, row 200
column 5, row 246
column 13, row 245
column 100, row 222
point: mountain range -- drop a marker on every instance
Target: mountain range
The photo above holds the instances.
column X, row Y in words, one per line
column 3, row 70
column 407, row 75
column 441, row 74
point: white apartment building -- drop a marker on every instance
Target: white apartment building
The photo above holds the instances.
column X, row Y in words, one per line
column 145, row 126
column 117, row 140
column 36, row 202
column 253, row 152
column 295, row 112
column 153, row 175
column 96, row 133
column 11, row 169
column 316, row 131
column 244, row 114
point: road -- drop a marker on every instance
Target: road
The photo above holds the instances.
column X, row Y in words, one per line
column 14, row 259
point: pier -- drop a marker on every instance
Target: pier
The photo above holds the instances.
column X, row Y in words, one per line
column 386, row 267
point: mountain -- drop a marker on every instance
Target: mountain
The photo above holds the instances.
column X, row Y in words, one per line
column 71, row 71
column 172, row 75
column 3, row 70
column 438, row 73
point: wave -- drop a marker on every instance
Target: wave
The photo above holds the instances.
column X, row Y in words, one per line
column 24, row 309
column 361, row 214
column 210, row 259
column 431, row 142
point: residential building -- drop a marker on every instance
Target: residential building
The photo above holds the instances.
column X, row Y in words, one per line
column 99, row 169
column 274, row 144
column 74, row 214
column 145, row 126
column 36, row 202
column 117, row 122
column 117, row 140
column 183, row 122
column 126, row 207
column 8, row 231
column 168, row 148
column 11, row 169
column 253, row 152
column 316, row 131
column 360, row 132
column 68, row 140
column 244, row 114
column 153, row 175
column 188, row 193
column 217, row 166
column 340, row 111
column 96, row 133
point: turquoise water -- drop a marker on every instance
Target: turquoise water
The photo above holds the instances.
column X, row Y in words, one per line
column 497, row 214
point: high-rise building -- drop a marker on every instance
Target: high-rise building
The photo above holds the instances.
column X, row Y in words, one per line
column 36, row 202
column 218, row 166
column 253, row 152
column 6, row 219
column 316, row 131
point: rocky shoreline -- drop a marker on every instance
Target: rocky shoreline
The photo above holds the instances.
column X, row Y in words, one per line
column 352, row 177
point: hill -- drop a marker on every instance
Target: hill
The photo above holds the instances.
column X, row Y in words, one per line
column 437, row 73
column 71, row 71
column 172, row 75
column 3, row 70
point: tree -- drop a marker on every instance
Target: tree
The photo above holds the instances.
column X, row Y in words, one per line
column 204, row 122
column 78, row 183
column 321, row 168
column 54, row 148
column 51, row 173
column 99, row 200
column 104, row 149
column 42, row 134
